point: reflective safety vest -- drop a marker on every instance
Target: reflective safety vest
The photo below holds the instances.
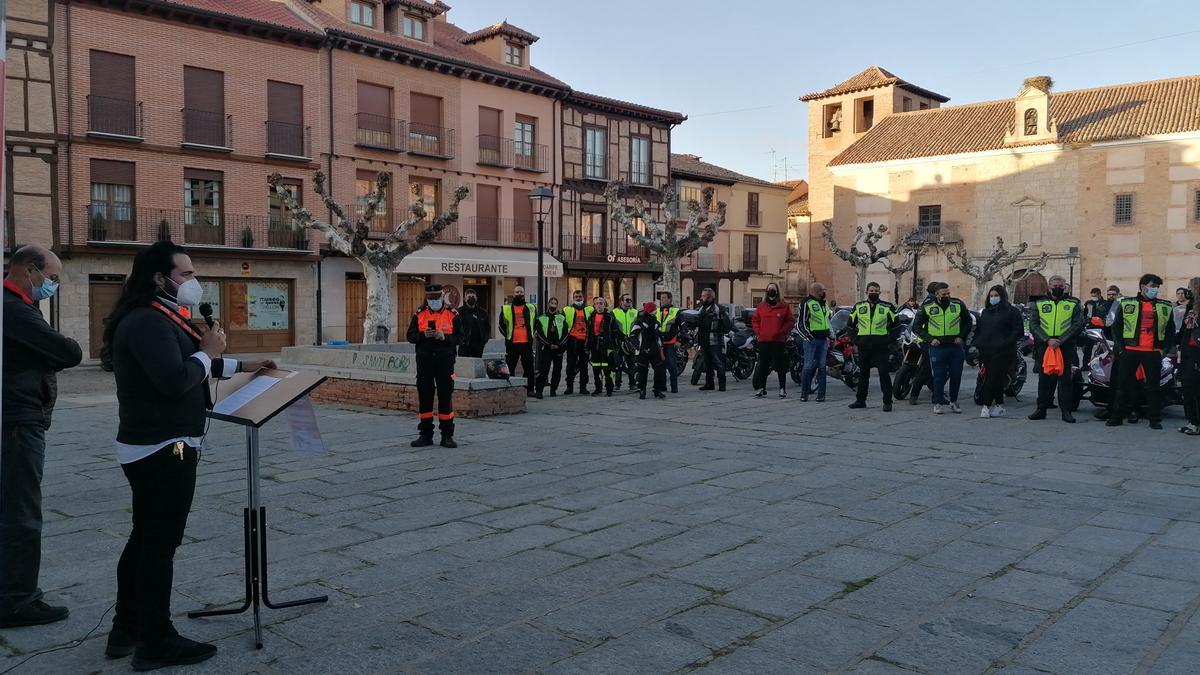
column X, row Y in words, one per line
column 666, row 319
column 506, row 311
column 818, row 315
column 443, row 319
column 1131, row 317
column 873, row 322
column 943, row 322
column 625, row 319
column 569, row 312
column 1054, row 316
column 560, row 325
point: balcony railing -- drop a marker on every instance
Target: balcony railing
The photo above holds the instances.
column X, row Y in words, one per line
column 289, row 141
column 754, row 263
column 617, row 249
column 701, row 260
column 380, row 224
column 754, row 218
column 495, row 151
column 641, row 173
column 114, row 117
column 205, row 129
column 502, row 232
column 380, row 132
column 204, row 227
column 940, row 233
column 430, row 141
column 508, row 153
column 531, row 157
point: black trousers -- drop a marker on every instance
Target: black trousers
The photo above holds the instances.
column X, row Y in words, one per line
column 998, row 365
column 524, row 353
column 714, row 363
column 549, row 358
column 874, row 357
column 1189, row 380
column 435, row 376
column 771, row 356
column 624, row 364
column 1063, row 384
column 22, row 458
column 1128, row 385
column 472, row 349
column 577, row 363
column 162, row 486
column 602, row 368
column 644, row 365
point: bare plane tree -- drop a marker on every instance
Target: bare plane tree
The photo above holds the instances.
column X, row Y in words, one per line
column 664, row 239
column 904, row 263
column 862, row 258
column 379, row 257
column 985, row 269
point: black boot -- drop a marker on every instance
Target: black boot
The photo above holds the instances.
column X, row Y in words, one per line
column 448, row 441
column 36, row 613
column 1039, row 414
column 173, row 651
column 121, row 643
column 424, row 440
column 1067, row 417
column 642, row 394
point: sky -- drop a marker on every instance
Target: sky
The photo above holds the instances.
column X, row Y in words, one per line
column 737, row 69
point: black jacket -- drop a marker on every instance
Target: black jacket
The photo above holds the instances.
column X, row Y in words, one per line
column 162, row 393
column 607, row 337
column 713, row 320
column 998, row 329
column 33, row 353
column 646, row 337
column 476, row 325
column 416, row 334
column 1118, row 327
column 553, row 337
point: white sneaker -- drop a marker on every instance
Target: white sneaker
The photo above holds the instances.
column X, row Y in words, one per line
column 998, row 411
column 937, row 408
column 954, row 408
column 984, row 412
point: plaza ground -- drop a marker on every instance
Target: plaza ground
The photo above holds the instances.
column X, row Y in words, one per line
column 709, row 532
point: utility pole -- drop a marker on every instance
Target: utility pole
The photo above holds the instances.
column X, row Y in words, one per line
column 774, row 164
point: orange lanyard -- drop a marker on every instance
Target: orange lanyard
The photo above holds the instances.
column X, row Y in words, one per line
column 177, row 319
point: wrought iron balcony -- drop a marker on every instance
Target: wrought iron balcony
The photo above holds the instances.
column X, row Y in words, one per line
column 508, row 153
column 754, row 263
column 207, row 130
column 939, row 233
column 754, row 218
column 430, row 141
column 289, row 141
column 502, row 232
column 379, row 132
column 702, row 260
column 203, row 227
column 114, row 118
column 617, row 249
column 642, row 173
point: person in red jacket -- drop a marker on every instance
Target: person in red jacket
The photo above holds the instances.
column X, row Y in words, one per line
column 773, row 320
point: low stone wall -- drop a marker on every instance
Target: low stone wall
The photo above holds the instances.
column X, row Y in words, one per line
column 385, row 377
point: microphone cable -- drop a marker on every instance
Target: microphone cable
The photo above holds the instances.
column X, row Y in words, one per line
column 63, row 647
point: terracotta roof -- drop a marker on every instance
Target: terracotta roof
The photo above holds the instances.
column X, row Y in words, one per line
column 873, row 77
column 605, row 103
column 799, row 207
column 1082, row 116
column 799, row 189
column 428, row 8
column 691, row 165
column 265, row 12
column 446, row 46
column 503, row 28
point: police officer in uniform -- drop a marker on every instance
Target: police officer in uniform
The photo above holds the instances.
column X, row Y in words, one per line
column 945, row 322
column 625, row 315
column 1143, row 328
column 551, row 330
column 1060, row 320
column 668, row 328
column 813, row 327
column 436, row 330
column 871, row 324
column 516, row 325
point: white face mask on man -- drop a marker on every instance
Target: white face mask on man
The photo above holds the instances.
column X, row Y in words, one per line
column 188, row 293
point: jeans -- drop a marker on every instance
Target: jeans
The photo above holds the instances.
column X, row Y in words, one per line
column 947, row 361
column 23, row 457
column 714, row 360
column 771, row 356
column 162, row 486
column 816, row 352
column 672, row 365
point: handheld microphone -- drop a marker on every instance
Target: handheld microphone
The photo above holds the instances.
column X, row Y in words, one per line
column 206, row 311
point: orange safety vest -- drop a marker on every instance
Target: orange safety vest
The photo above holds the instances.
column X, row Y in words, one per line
column 444, row 320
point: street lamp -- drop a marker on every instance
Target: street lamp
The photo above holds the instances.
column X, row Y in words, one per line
column 542, row 198
column 1072, row 261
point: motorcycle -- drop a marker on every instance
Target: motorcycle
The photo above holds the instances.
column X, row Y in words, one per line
column 912, row 362
column 839, row 358
column 741, row 352
column 1095, row 383
column 1017, row 375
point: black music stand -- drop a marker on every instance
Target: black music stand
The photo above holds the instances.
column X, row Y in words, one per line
column 256, row 412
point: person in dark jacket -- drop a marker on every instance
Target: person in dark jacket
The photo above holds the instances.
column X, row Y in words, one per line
column 476, row 325
column 668, row 328
column 713, row 324
column 944, row 323
column 436, row 330
column 33, row 353
column 872, row 327
column 924, row 376
column 648, row 352
column 162, row 365
column 604, row 341
column 1058, row 320
column 1189, row 361
column 813, row 328
column 516, row 325
column 772, row 322
column 1000, row 326
column 1143, row 328
column 551, row 330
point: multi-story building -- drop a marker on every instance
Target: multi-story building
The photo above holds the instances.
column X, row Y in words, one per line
column 1104, row 181
column 750, row 249
column 799, row 219
column 603, row 140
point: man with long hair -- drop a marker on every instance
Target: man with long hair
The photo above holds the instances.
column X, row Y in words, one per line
column 33, row 353
column 162, row 365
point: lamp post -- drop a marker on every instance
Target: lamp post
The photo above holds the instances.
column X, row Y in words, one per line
column 542, row 198
column 1072, row 261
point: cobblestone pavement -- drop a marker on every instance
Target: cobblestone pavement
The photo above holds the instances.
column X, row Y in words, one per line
column 710, row 532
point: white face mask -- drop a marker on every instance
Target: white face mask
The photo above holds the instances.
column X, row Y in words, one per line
column 435, row 305
column 189, row 293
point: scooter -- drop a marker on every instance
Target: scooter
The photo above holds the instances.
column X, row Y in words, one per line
column 1096, row 382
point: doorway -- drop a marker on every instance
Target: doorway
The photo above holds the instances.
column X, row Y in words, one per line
column 103, row 293
column 356, row 307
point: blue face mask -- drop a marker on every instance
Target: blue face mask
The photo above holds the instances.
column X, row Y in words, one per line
column 46, row 291
column 995, row 299
column 1152, row 292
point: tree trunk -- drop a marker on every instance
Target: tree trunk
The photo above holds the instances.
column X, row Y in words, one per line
column 670, row 278
column 981, row 286
column 377, row 321
column 860, row 284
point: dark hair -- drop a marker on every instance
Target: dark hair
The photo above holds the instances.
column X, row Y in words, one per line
column 1001, row 291
column 666, row 293
column 1114, row 288
column 873, row 283
column 28, row 255
column 1150, row 279
column 1095, row 290
column 139, row 289
column 941, row 285
column 932, row 287
column 1181, row 288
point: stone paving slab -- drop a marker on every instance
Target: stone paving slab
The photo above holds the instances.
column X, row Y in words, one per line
column 709, row 532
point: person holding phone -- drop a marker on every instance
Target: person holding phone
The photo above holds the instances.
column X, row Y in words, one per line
column 436, row 330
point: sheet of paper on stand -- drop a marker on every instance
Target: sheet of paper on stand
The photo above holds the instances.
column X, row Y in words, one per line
column 253, row 389
column 306, row 435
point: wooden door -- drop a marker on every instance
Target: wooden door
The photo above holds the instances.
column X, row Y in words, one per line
column 487, row 209
column 102, row 297
column 410, row 294
column 356, row 309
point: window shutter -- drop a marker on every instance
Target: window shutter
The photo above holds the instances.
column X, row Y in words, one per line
column 203, row 89
column 115, row 173
column 374, row 99
column 489, row 122
column 202, row 174
column 285, row 102
column 112, row 75
column 426, row 110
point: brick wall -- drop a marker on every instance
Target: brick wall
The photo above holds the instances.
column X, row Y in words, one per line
column 390, row 396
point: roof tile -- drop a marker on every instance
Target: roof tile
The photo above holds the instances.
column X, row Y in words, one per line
column 872, row 77
column 691, row 165
column 261, row 11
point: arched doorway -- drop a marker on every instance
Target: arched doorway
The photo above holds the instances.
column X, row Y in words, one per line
column 1032, row 286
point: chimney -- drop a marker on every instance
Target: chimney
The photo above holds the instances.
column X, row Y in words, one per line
column 444, row 14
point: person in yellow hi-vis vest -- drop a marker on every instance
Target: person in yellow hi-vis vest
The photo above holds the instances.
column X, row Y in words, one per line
column 1144, row 327
column 624, row 314
column 516, row 325
column 945, row 322
column 872, row 323
column 1058, row 320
